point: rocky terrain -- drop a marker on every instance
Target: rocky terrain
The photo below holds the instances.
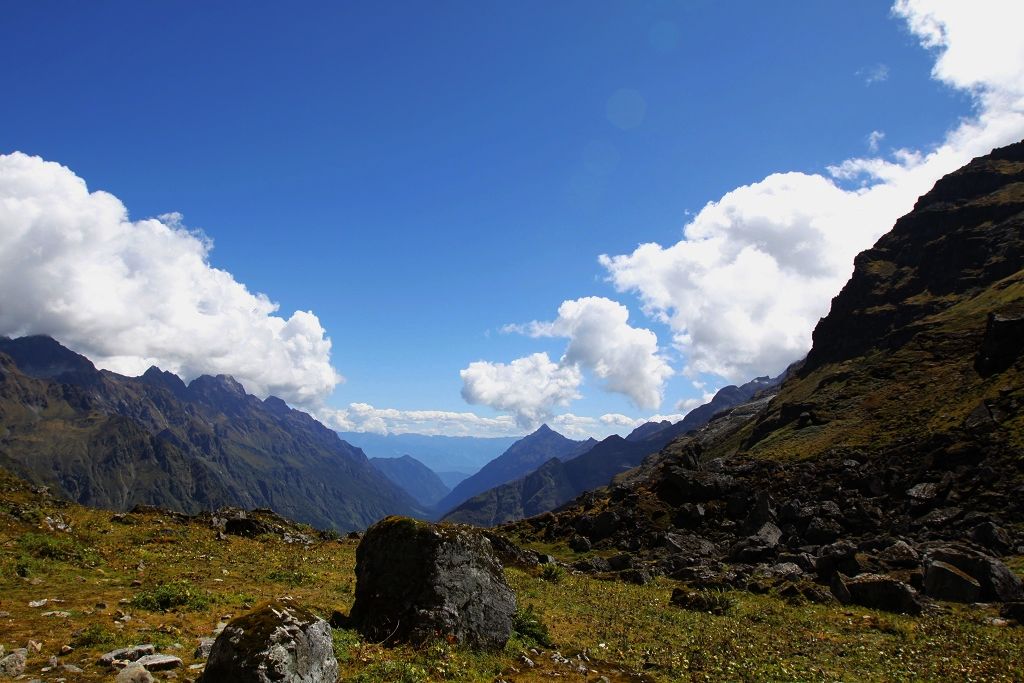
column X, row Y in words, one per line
column 111, row 441
column 888, row 470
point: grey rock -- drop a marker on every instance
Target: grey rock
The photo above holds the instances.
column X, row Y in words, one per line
column 203, row 649
column 280, row 642
column 878, row 591
column 945, row 582
column 13, row 665
column 923, row 492
column 127, row 653
column 134, row 673
column 899, row 554
column 996, row 580
column 159, row 662
column 415, row 581
column 580, row 544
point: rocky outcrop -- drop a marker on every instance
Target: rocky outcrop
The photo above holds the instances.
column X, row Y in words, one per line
column 417, row 581
column 279, row 642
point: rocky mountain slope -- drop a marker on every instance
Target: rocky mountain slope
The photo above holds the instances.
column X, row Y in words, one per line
column 559, row 480
column 413, row 477
column 522, row 457
column 112, row 441
column 894, row 454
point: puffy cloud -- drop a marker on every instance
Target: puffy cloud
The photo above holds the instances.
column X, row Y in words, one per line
column 757, row 268
column 528, row 387
column 602, row 342
column 130, row 294
column 363, row 417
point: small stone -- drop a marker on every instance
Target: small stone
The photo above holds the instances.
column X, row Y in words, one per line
column 159, row 662
column 134, row 673
column 38, row 603
column 35, row 645
column 203, row 649
column 66, row 649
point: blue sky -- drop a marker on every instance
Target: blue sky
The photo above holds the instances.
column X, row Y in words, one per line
column 420, row 175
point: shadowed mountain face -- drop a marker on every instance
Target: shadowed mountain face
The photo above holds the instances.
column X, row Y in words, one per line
column 559, row 480
column 906, row 420
column 522, row 457
column 112, row 441
column 413, row 477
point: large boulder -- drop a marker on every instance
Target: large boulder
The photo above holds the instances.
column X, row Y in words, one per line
column 945, row 582
column 416, row 581
column 996, row 581
column 877, row 591
column 279, row 642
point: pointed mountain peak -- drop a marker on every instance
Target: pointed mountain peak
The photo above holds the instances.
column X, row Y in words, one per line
column 156, row 377
column 544, row 429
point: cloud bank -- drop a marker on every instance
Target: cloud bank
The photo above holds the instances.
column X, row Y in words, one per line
column 363, row 417
column 130, row 294
column 756, row 269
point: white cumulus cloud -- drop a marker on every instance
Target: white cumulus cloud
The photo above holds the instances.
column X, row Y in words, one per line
column 130, row 294
column 757, row 268
column 528, row 387
column 602, row 341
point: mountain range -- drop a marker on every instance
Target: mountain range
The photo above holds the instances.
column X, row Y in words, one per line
column 588, row 465
column 103, row 439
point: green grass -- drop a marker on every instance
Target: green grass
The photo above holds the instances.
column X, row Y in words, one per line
column 172, row 595
column 190, row 583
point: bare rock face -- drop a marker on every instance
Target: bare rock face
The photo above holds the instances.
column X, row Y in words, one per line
column 280, row 642
column 416, row 581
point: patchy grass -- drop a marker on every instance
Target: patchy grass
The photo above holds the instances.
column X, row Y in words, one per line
column 172, row 595
column 624, row 632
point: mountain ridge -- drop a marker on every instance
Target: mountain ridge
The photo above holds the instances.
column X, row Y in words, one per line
column 114, row 441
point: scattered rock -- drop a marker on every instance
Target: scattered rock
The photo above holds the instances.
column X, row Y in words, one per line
column 416, row 581
column 280, row 642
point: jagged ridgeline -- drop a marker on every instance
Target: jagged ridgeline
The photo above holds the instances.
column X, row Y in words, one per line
column 111, row 441
column 900, row 437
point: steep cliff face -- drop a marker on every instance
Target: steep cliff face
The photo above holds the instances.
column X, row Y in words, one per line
column 112, row 441
column 905, row 422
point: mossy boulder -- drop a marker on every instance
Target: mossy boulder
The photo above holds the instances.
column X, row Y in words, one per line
column 417, row 581
column 280, row 641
